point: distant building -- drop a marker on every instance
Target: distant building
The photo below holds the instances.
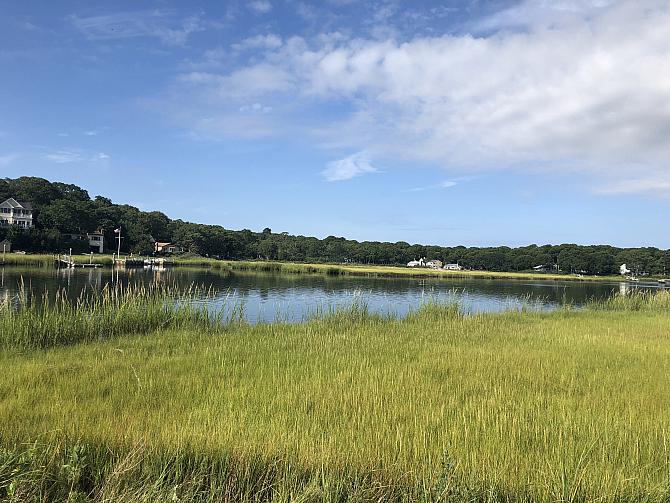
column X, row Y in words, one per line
column 452, row 267
column 96, row 240
column 13, row 212
column 434, row 264
column 546, row 268
column 417, row 263
column 623, row 270
column 5, row 246
column 160, row 247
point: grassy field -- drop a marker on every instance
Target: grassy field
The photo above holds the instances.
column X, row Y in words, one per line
column 379, row 271
column 569, row 406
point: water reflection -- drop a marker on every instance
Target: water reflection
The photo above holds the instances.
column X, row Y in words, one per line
column 268, row 297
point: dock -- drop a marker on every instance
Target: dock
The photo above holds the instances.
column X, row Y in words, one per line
column 157, row 262
column 71, row 264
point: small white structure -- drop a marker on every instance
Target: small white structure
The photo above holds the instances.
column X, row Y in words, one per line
column 161, row 247
column 13, row 212
column 623, row 270
column 417, row 263
column 96, row 240
column 5, row 246
column 452, row 267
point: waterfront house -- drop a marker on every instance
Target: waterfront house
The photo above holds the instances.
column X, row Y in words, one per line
column 546, row 268
column 160, row 247
column 452, row 267
column 417, row 263
column 434, row 264
column 96, row 240
column 13, row 212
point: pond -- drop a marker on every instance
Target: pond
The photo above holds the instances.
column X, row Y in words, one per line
column 294, row 297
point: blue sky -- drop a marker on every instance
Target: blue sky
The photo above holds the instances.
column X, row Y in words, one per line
column 456, row 122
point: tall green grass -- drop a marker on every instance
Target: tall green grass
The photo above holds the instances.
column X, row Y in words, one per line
column 113, row 311
column 49, row 260
column 571, row 406
column 636, row 300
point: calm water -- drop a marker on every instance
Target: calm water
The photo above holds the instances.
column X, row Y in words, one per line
column 269, row 297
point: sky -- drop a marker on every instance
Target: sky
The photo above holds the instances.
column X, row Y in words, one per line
column 472, row 122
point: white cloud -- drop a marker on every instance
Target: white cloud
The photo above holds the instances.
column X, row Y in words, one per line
column 655, row 184
column 582, row 86
column 349, row 167
column 150, row 23
column 260, row 6
column 67, row 156
column 92, row 132
column 442, row 185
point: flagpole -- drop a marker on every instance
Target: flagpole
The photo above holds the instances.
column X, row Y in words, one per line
column 118, row 252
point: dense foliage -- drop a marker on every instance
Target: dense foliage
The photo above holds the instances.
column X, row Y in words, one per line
column 64, row 208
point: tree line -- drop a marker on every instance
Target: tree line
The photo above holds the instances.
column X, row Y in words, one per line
column 61, row 209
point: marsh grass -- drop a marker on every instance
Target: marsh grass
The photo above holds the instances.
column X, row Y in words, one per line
column 44, row 260
column 110, row 312
column 636, row 300
column 570, row 406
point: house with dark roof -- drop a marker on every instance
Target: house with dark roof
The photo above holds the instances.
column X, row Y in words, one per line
column 13, row 212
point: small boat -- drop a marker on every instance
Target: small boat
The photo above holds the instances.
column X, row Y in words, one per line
column 663, row 281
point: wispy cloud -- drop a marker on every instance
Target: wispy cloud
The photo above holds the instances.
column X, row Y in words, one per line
column 260, row 6
column 269, row 41
column 92, row 132
column 350, row 167
column 442, row 185
column 164, row 25
column 66, row 156
column 658, row 185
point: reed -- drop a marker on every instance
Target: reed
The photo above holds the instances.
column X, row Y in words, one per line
column 49, row 260
column 113, row 311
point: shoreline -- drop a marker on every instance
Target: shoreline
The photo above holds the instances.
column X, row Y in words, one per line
column 378, row 271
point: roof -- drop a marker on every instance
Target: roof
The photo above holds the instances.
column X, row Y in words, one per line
column 15, row 204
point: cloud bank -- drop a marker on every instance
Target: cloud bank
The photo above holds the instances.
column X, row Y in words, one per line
column 581, row 87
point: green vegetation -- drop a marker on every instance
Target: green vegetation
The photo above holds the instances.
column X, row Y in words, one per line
column 114, row 311
column 566, row 406
column 61, row 209
column 48, row 260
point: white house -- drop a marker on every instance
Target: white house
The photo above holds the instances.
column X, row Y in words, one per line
column 13, row 212
column 417, row 263
column 624, row 270
column 434, row 264
column 96, row 240
column 160, row 247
